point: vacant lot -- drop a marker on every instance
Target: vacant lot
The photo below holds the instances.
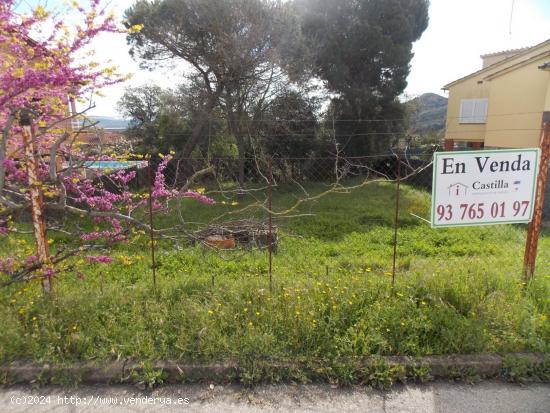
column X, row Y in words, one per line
column 457, row 291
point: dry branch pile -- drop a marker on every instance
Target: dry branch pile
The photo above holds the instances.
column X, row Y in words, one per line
column 248, row 233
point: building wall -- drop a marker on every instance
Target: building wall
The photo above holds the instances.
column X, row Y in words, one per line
column 547, row 99
column 522, row 93
column 469, row 89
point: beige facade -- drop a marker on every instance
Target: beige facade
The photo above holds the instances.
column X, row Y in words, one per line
column 502, row 104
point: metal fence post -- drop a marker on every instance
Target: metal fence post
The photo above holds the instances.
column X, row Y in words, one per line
column 270, row 219
column 151, row 227
column 396, row 220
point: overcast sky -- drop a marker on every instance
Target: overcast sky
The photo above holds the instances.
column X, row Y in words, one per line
column 462, row 30
column 458, row 33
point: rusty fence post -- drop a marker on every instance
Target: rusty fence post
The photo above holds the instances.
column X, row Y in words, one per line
column 396, row 220
column 151, row 227
column 270, row 219
column 533, row 232
column 37, row 200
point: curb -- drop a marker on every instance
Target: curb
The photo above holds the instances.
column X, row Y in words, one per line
column 439, row 367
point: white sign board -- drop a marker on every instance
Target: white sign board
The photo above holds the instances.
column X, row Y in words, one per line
column 484, row 187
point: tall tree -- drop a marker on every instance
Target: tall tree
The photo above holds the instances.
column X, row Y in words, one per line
column 289, row 126
column 234, row 46
column 162, row 120
column 362, row 50
column 159, row 119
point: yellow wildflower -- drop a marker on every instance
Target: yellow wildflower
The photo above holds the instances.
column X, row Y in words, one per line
column 136, row 28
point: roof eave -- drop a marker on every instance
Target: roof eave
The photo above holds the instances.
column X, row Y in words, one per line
column 448, row 85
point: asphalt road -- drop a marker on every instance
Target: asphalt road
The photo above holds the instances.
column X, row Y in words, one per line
column 435, row 397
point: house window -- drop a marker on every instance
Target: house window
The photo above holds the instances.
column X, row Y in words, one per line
column 473, row 110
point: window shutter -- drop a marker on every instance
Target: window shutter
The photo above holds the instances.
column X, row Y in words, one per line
column 467, row 107
column 473, row 110
column 480, row 110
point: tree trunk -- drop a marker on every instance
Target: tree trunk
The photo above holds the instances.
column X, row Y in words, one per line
column 241, row 147
column 37, row 205
column 234, row 123
column 196, row 133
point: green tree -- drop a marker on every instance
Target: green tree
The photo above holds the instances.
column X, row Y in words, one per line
column 362, row 50
column 235, row 47
column 289, row 126
column 158, row 119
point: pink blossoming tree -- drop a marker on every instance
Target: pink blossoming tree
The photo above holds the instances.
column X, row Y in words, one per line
column 43, row 168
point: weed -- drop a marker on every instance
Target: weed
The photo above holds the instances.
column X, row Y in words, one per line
column 467, row 375
column 419, row 373
column 42, row 379
column 5, row 378
column 66, row 378
column 521, row 370
column 382, row 375
column 147, row 377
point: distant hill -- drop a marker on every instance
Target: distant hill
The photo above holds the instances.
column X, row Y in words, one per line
column 428, row 113
column 107, row 122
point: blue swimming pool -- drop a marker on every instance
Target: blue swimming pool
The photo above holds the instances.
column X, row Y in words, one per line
column 115, row 164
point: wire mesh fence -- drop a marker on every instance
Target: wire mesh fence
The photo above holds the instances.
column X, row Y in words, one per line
column 308, row 215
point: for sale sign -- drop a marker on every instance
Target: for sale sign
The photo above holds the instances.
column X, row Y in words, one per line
column 484, row 187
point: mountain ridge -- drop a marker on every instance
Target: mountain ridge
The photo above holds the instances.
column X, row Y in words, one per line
column 427, row 113
column 110, row 122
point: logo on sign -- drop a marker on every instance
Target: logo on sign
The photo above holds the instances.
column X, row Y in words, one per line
column 458, row 189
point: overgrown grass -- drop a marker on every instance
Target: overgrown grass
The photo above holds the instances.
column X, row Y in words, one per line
column 457, row 290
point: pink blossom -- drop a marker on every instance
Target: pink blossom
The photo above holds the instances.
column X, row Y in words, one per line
column 31, row 260
column 199, row 197
column 99, row 259
column 7, row 266
column 3, row 227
